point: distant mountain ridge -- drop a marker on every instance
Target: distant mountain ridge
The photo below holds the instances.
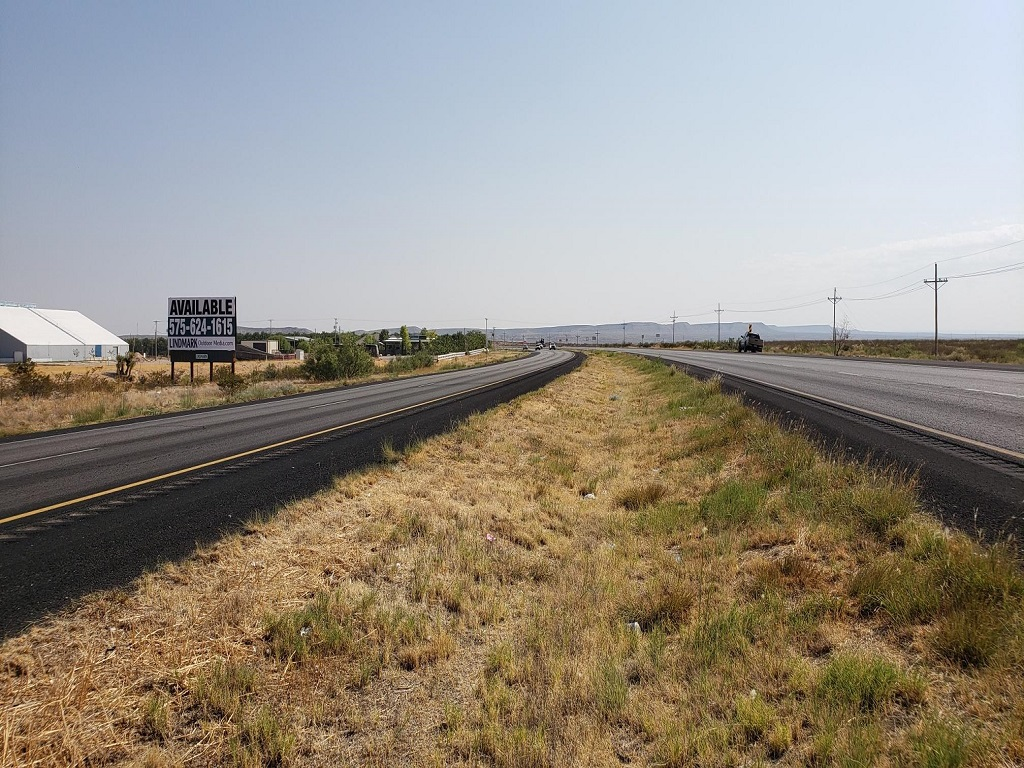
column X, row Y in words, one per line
column 649, row 333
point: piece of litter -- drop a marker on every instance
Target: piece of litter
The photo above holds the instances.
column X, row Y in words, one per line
column 590, row 496
column 304, row 632
column 614, row 397
column 635, row 626
column 490, row 537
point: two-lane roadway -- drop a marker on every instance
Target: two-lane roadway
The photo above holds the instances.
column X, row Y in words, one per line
column 976, row 404
column 43, row 473
column 92, row 508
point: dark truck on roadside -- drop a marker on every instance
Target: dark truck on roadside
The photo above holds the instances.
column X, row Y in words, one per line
column 750, row 342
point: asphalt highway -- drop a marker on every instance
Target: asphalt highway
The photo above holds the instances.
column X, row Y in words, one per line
column 50, row 471
column 93, row 508
column 980, row 404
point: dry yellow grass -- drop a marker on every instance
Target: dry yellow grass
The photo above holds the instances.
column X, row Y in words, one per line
column 122, row 400
column 624, row 567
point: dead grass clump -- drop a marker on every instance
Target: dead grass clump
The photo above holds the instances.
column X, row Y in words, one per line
column 640, row 496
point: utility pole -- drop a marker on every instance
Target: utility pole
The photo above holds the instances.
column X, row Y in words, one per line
column 155, row 348
column 936, row 284
column 271, row 327
column 485, row 333
column 674, row 316
column 623, row 334
column 835, row 300
column 719, row 311
column 597, row 338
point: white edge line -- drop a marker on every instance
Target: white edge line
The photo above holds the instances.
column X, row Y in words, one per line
column 45, row 458
column 947, row 436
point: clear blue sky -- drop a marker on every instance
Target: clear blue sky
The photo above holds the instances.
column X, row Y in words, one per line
column 531, row 163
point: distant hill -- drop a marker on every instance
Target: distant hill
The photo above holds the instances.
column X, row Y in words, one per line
column 636, row 333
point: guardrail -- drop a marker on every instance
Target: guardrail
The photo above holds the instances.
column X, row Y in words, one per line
column 450, row 355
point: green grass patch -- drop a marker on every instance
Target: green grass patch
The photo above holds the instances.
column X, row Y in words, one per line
column 737, row 503
column 862, row 683
column 220, row 693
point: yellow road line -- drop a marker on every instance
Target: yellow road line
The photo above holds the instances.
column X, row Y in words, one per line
column 262, row 449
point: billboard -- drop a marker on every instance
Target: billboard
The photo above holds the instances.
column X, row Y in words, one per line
column 202, row 328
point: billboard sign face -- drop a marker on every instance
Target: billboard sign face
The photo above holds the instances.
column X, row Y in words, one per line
column 203, row 328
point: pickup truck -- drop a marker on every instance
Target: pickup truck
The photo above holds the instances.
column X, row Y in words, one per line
column 750, row 342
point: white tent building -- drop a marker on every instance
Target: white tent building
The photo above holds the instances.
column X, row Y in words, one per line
column 54, row 335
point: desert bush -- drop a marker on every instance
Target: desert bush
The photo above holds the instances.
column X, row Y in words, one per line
column 154, row 380
column 327, row 362
column 28, row 381
column 421, row 359
column 228, row 381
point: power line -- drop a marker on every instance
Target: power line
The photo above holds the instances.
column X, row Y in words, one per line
column 940, row 261
column 992, row 271
column 779, row 309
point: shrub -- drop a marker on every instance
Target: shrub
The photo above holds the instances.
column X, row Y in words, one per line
column 228, row 381
column 28, row 382
column 327, row 362
column 421, row 359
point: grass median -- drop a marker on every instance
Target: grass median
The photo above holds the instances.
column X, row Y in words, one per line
column 628, row 566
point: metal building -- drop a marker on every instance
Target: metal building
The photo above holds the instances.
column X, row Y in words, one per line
column 54, row 335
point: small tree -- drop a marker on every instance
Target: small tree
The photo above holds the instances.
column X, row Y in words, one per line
column 125, row 364
column 353, row 361
column 842, row 336
column 406, row 341
column 383, row 335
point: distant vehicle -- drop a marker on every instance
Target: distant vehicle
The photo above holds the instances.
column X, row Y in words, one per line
column 540, row 345
column 552, row 346
column 750, row 342
column 526, row 348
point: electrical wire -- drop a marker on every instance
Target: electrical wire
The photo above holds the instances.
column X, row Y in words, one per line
column 906, row 289
column 781, row 309
column 940, row 261
column 992, row 271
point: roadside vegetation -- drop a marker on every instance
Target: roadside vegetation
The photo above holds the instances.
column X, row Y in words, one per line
column 1006, row 351
column 625, row 567
column 959, row 350
column 33, row 400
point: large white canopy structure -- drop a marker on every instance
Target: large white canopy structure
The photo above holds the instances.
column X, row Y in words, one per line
column 54, row 335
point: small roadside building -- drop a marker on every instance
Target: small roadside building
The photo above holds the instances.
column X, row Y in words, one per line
column 393, row 343
column 54, row 335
